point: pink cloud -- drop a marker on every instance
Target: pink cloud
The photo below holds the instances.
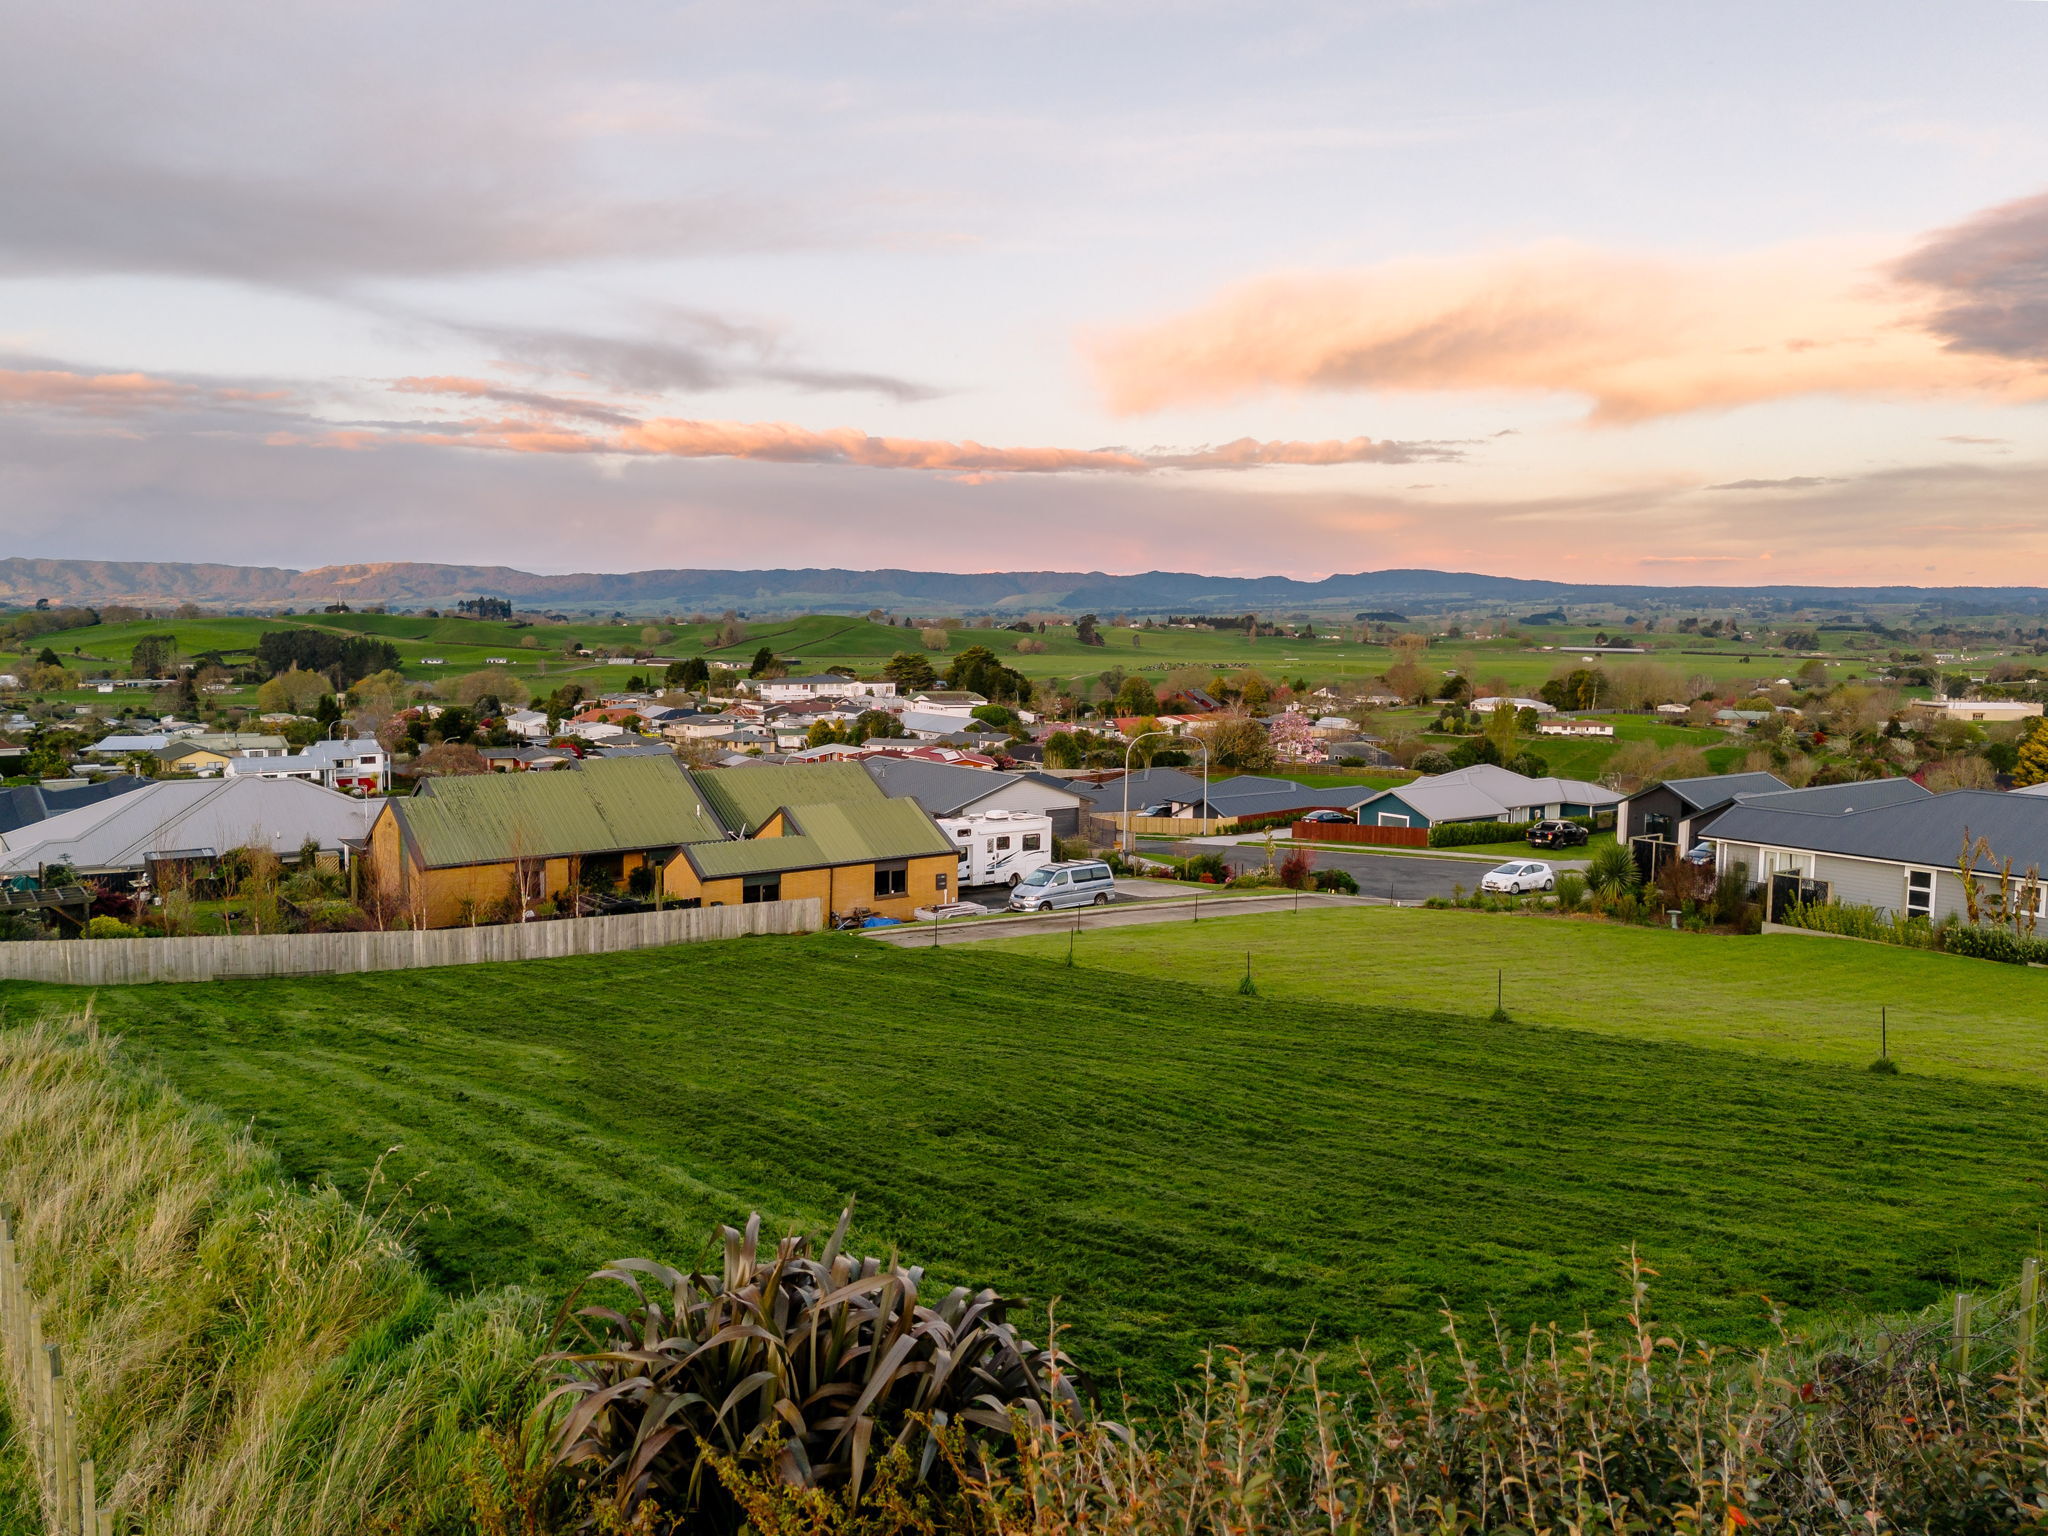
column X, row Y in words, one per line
column 94, row 393
column 1638, row 336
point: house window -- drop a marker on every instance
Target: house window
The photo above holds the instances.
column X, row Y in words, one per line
column 1392, row 819
column 755, row 888
column 892, row 879
column 1031, row 842
column 1919, row 893
column 942, row 882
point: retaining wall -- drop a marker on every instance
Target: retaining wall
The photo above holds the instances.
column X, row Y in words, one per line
column 122, row 962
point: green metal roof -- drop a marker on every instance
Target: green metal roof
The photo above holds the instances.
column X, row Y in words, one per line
column 609, row 805
column 746, row 797
column 824, row 834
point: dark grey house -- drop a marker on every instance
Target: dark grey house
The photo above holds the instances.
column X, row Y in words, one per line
column 1903, row 857
column 1185, row 795
column 28, row 804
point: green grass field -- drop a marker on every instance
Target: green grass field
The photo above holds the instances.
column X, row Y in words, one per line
column 1787, row 997
column 832, row 640
column 1175, row 1163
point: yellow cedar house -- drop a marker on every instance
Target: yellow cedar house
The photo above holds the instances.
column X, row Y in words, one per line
column 487, row 847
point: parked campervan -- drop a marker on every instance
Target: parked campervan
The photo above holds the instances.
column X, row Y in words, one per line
column 1080, row 883
column 999, row 847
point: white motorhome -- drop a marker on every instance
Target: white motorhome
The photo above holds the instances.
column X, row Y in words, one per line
column 999, row 847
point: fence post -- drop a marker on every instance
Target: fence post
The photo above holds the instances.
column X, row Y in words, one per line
column 2030, row 1301
column 88, row 1499
column 1959, row 1351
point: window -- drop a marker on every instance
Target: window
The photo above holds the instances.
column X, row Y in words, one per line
column 1919, row 893
column 756, row 888
column 1392, row 819
column 942, row 882
column 1001, row 842
column 1031, row 842
column 892, row 879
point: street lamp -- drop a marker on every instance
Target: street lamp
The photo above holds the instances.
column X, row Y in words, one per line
column 1126, row 828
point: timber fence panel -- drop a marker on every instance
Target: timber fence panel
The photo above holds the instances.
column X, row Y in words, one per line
column 1345, row 832
column 124, row 962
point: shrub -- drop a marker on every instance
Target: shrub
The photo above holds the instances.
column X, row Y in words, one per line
column 111, row 928
column 1983, row 941
column 1205, row 866
column 818, row 1367
column 1612, row 870
column 1297, row 870
column 1432, row 761
column 1571, row 891
column 1339, row 880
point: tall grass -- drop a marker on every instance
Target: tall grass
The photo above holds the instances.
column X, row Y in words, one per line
column 247, row 1356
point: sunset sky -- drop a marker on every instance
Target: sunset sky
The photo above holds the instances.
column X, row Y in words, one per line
column 1590, row 289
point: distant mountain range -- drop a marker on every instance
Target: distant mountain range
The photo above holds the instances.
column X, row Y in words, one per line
column 412, row 585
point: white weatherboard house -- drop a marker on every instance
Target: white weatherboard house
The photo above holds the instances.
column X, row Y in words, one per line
column 359, row 764
column 820, row 685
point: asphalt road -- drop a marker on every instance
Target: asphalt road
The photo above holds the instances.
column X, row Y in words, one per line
column 1386, row 876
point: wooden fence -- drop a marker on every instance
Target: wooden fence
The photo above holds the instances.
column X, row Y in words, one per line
column 1166, row 826
column 124, row 962
column 1345, row 832
column 39, row 1401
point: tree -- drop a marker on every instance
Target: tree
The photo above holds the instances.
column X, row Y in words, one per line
column 2031, row 765
column 153, row 656
column 875, row 724
column 910, row 671
column 1137, row 696
column 691, row 674
column 1501, row 729
column 294, row 691
column 1237, row 743
column 498, row 683
column 1432, row 760
column 764, row 660
column 1293, row 737
column 1254, row 692
column 1063, row 749
column 1086, row 632
column 1529, row 765
column 823, row 733
column 1576, row 689
column 448, row 760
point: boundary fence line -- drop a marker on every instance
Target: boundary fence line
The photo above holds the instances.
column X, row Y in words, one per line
column 127, row 962
column 39, row 1399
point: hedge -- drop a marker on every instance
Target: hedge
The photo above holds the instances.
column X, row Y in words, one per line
column 1460, row 834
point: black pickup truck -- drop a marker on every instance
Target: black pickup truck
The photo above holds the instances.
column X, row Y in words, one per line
column 1558, row 834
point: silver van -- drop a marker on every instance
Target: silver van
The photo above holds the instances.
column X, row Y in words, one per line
column 1079, row 883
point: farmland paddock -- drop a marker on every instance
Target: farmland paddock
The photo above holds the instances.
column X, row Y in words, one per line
column 124, row 962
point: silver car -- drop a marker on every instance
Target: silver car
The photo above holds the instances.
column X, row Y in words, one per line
column 1078, row 883
column 1519, row 876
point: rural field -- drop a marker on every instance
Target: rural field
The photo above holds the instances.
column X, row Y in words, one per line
column 1336, row 1157
column 461, row 645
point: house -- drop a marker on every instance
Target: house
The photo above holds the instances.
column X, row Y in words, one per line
column 28, row 804
column 530, row 724
column 128, row 745
column 960, row 704
column 1484, row 792
column 929, row 726
column 498, row 844
column 819, row 685
column 1490, row 703
column 1902, row 857
column 945, row 789
column 1975, row 711
column 1574, row 728
column 239, row 743
column 180, row 821
column 360, row 764
column 527, row 759
column 1682, row 811
column 1185, row 795
column 1370, row 753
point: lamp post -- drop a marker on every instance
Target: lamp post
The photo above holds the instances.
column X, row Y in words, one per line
column 1125, row 839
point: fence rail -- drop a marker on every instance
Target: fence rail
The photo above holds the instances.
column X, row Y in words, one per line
column 125, row 962
column 1168, row 826
column 38, row 1396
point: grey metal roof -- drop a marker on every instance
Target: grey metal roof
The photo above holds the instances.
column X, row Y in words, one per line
column 1834, row 799
column 944, row 788
column 28, row 804
column 1927, row 831
column 219, row 814
column 1718, row 789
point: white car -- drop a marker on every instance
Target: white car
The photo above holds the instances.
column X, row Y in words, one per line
column 1520, row 876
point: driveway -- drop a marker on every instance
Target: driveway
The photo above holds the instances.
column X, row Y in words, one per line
column 1386, row 876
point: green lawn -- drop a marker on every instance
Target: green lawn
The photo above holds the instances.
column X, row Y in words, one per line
column 1787, row 997
column 1177, row 1164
